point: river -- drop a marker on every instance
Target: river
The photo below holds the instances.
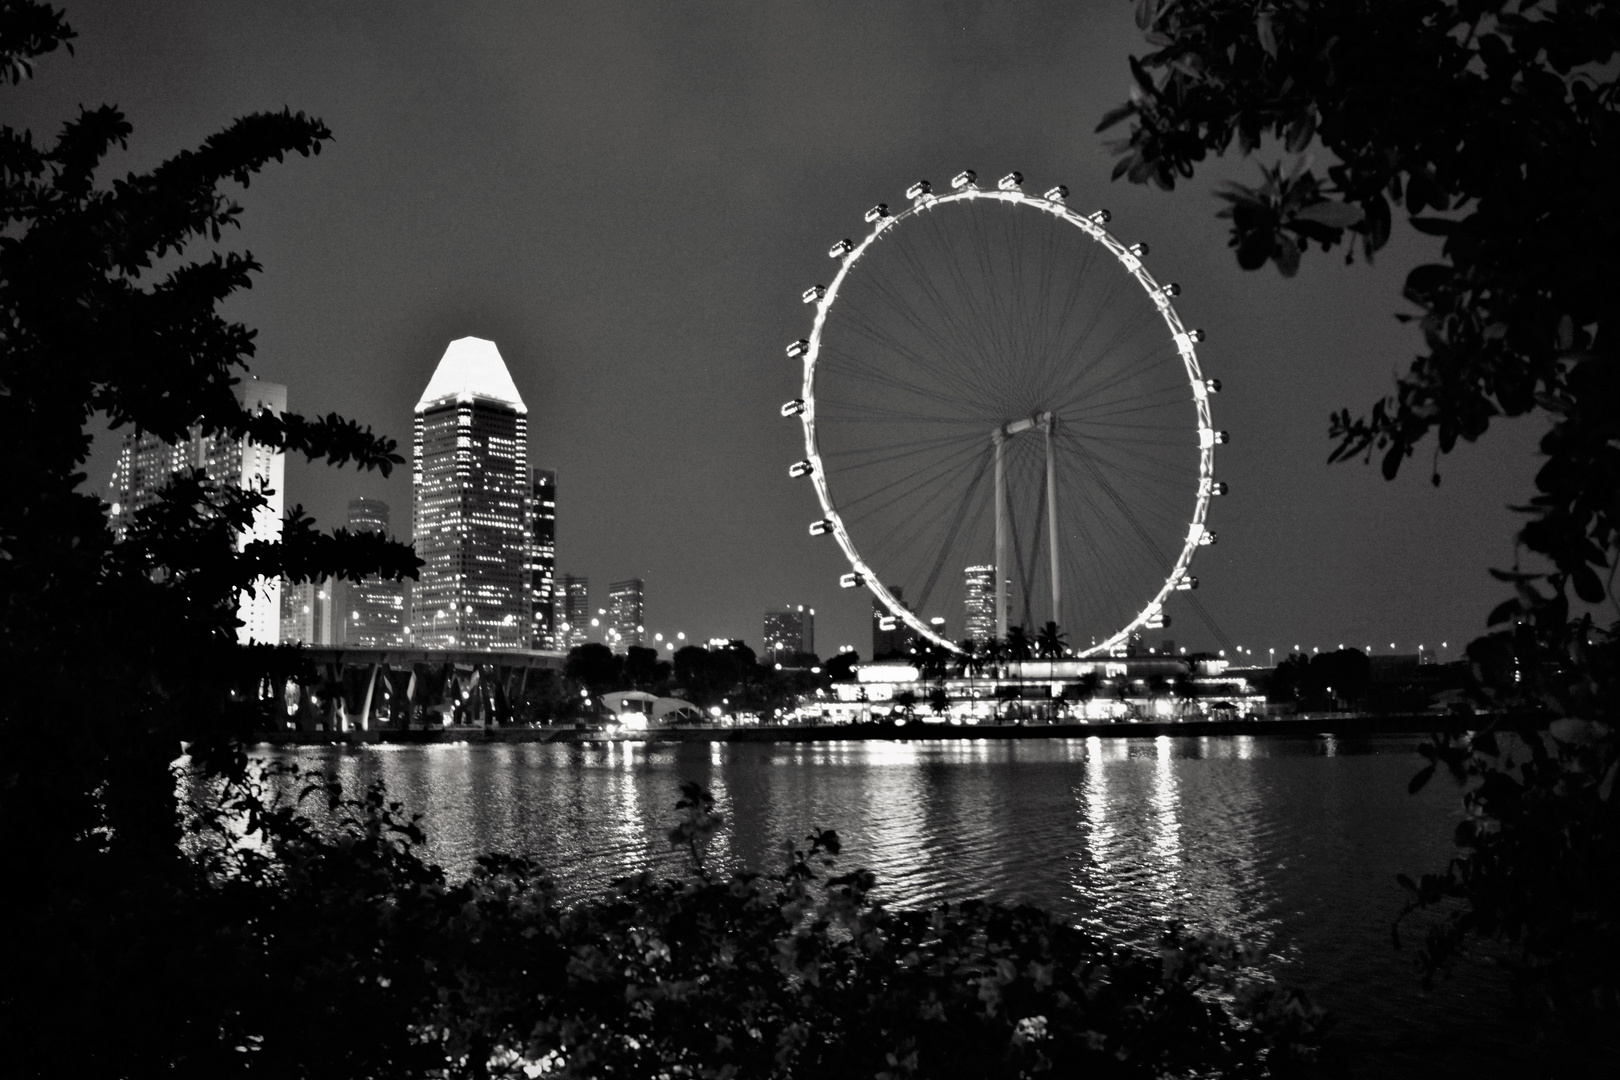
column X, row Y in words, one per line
column 1291, row 843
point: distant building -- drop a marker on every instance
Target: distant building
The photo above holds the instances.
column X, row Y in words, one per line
column 469, row 481
column 369, row 614
column 626, row 621
column 790, row 630
column 305, row 616
column 890, row 634
column 574, row 627
column 979, row 604
column 145, row 465
column 543, row 561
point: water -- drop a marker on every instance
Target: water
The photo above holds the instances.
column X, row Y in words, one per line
column 1292, row 844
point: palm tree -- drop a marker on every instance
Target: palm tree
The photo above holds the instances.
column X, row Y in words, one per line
column 1019, row 646
column 1052, row 643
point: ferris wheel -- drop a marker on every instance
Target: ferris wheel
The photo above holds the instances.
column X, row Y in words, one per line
column 1004, row 420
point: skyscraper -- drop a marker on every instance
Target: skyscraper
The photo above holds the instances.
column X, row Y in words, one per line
column 369, row 614
column 790, row 630
column 543, row 560
column 626, row 623
column 575, row 625
column 979, row 602
column 899, row 637
column 145, row 465
column 469, row 485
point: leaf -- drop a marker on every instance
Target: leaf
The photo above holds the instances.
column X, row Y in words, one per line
column 1268, row 36
column 1392, row 460
column 1424, row 775
column 1115, row 115
column 1335, row 215
column 1401, row 879
column 1503, row 612
column 1301, row 132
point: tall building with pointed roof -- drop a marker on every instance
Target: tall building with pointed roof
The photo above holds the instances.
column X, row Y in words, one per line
column 470, row 486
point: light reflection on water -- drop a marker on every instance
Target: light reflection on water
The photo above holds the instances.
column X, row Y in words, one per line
column 1291, row 844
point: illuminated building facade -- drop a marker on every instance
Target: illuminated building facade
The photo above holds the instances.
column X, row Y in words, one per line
column 790, row 630
column 543, row 561
column 368, row 614
column 979, row 604
column 626, row 624
column 145, row 465
column 575, row 625
column 469, row 481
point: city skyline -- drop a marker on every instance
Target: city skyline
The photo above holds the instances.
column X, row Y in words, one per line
column 648, row 307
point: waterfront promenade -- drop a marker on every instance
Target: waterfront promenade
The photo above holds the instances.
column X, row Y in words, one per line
column 1339, row 724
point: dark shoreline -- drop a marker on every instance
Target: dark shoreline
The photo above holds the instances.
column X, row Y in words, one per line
column 1295, row 726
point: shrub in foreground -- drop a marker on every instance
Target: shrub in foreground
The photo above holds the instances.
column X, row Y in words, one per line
column 353, row 957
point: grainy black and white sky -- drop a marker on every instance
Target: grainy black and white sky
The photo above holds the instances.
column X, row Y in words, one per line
column 629, row 198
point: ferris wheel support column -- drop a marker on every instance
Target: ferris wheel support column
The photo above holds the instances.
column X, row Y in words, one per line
column 999, row 441
column 1048, row 421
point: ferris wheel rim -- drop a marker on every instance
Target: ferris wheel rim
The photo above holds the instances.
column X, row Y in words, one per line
column 1132, row 262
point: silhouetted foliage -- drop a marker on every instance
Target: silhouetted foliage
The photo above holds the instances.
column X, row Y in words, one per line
column 335, row 950
column 1495, row 126
column 1337, row 679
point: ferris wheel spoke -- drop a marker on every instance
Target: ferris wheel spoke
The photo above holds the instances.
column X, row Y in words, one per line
column 933, row 474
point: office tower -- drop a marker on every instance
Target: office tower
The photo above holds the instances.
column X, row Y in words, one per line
column 575, row 627
column 789, row 630
column 300, row 613
column 625, row 621
column 368, row 614
column 979, row 602
column 889, row 633
column 145, row 465
column 469, row 482
column 543, row 561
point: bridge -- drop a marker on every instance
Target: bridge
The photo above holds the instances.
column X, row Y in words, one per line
column 355, row 689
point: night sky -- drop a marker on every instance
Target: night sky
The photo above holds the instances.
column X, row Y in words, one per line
column 629, row 199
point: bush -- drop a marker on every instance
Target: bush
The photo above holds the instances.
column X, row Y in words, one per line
column 334, row 950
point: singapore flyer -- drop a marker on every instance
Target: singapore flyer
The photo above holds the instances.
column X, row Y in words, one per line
column 996, row 389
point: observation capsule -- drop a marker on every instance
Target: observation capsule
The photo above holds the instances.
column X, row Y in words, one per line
column 814, row 293
column 801, row 468
column 888, row 622
column 921, row 189
column 822, row 527
column 877, row 213
column 1169, row 288
column 794, row 407
column 1100, row 217
column 1138, row 250
column 1219, row 487
column 1057, row 194
column 798, row 348
column 963, row 179
column 840, row 249
column 1187, row 583
column 1207, row 538
column 1010, row 182
column 850, row 581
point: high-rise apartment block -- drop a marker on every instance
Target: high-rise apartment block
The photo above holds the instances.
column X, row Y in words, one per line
column 469, row 479
column 145, row 465
column 979, row 602
column 575, row 625
column 543, row 561
column 790, row 630
column 626, row 622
